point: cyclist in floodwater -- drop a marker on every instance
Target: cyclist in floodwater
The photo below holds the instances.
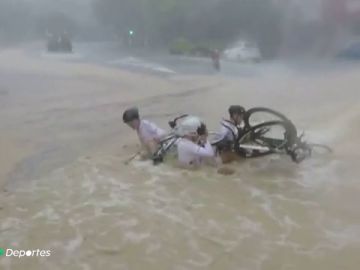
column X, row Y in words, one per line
column 149, row 133
column 225, row 141
column 193, row 148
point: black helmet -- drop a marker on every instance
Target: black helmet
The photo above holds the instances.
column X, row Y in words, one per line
column 131, row 114
column 236, row 109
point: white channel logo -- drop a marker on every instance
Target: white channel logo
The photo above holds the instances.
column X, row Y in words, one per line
column 27, row 253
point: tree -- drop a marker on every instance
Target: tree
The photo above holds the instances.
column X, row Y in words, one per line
column 162, row 21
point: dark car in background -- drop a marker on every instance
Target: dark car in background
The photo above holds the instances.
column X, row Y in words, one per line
column 59, row 43
column 351, row 52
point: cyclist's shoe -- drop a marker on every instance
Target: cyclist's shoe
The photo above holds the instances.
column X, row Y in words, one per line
column 172, row 124
column 299, row 154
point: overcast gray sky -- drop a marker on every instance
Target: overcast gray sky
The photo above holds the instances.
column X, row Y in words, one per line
column 79, row 9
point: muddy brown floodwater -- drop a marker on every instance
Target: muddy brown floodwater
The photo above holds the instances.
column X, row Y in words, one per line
column 64, row 186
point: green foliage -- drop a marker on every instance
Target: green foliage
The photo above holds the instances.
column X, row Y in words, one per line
column 213, row 21
column 181, row 46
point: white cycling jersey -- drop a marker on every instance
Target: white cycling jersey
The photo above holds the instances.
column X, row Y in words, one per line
column 149, row 131
column 189, row 153
column 228, row 132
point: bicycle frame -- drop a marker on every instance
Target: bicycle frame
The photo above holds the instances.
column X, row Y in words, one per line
column 165, row 145
column 290, row 145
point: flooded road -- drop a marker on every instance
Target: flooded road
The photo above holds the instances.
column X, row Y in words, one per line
column 65, row 188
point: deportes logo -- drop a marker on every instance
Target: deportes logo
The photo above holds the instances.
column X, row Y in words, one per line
column 19, row 253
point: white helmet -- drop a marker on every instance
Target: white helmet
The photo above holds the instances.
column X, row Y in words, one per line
column 189, row 126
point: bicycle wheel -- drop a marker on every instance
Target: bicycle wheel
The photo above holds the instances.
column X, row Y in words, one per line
column 259, row 115
column 264, row 139
column 319, row 148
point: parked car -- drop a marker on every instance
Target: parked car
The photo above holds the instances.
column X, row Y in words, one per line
column 243, row 51
column 59, row 43
column 351, row 52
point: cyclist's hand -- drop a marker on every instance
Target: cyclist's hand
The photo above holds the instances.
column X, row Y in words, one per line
column 203, row 137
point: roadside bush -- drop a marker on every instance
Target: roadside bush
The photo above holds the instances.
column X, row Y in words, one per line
column 181, row 46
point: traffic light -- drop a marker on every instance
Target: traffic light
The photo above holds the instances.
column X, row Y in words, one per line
column 131, row 32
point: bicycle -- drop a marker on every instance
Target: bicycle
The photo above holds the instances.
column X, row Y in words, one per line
column 168, row 143
column 256, row 139
column 289, row 143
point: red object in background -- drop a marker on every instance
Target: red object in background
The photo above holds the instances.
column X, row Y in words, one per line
column 335, row 11
column 353, row 9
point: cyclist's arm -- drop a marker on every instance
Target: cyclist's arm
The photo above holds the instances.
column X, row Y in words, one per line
column 157, row 133
column 203, row 151
column 189, row 153
column 221, row 135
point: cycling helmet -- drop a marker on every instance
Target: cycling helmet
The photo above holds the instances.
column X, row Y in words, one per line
column 130, row 115
column 191, row 125
column 236, row 109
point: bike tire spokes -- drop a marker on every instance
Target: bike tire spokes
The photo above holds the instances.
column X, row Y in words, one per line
column 265, row 138
column 319, row 148
column 259, row 115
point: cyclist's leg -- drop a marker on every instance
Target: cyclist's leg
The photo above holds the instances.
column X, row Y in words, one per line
column 225, row 151
column 150, row 147
column 229, row 157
